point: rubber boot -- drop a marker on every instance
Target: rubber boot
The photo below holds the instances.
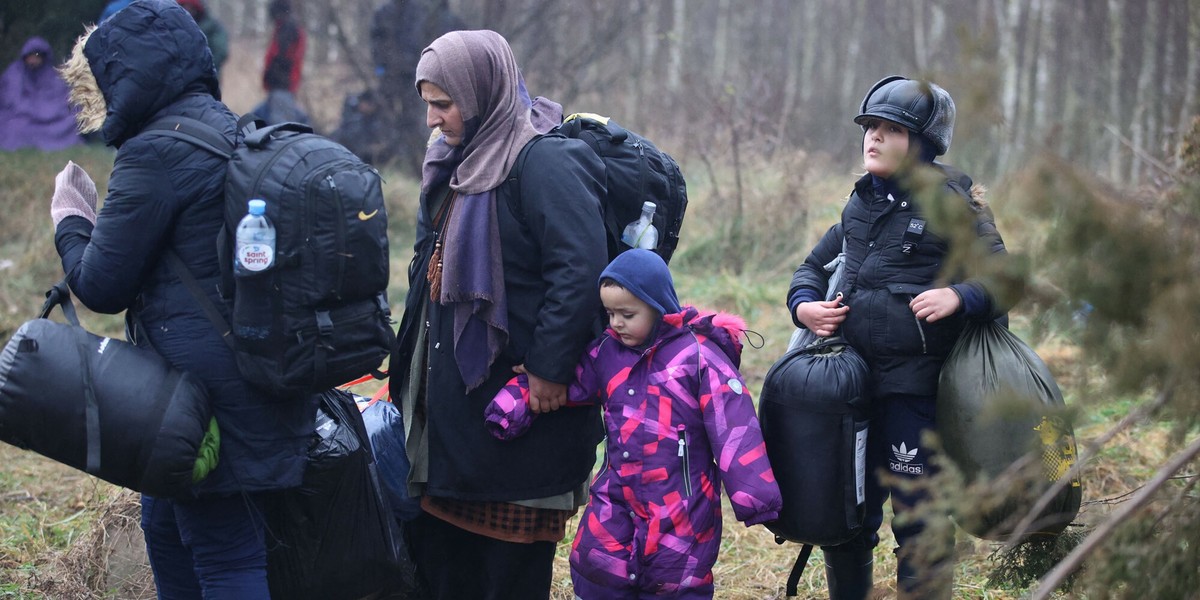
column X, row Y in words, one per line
column 849, row 573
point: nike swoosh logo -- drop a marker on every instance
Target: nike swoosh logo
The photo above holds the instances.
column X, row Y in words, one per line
column 362, row 216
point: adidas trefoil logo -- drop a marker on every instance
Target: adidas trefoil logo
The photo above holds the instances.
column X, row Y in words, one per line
column 903, row 454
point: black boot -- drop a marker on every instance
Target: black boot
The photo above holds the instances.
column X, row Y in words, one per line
column 848, row 573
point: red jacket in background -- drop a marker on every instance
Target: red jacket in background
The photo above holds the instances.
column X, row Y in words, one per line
column 285, row 56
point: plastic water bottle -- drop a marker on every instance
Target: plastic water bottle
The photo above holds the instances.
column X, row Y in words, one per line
column 255, row 248
column 253, row 257
column 642, row 233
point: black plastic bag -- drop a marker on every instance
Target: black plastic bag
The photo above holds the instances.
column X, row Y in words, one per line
column 334, row 537
column 999, row 406
column 814, row 411
column 385, row 428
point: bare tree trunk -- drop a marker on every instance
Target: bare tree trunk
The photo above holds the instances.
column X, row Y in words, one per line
column 1032, row 59
column 722, row 39
column 850, row 82
column 920, row 38
column 675, row 70
column 1008, row 16
column 793, row 54
column 1188, row 108
column 811, row 36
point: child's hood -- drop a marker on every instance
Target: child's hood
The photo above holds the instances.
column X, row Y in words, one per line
column 645, row 275
column 723, row 329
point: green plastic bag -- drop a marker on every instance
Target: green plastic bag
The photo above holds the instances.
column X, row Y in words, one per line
column 999, row 411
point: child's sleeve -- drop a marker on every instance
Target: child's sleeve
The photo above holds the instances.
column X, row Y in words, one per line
column 508, row 415
column 736, row 439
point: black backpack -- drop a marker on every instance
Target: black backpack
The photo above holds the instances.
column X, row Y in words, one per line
column 636, row 172
column 814, row 410
column 326, row 295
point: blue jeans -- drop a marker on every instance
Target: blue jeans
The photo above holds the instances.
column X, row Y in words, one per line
column 210, row 548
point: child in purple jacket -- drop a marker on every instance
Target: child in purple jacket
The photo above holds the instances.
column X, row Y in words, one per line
column 680, row 423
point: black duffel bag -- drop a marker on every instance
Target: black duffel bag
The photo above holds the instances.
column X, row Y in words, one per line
column 999, row 409
column 104, row 406
column 814, row 411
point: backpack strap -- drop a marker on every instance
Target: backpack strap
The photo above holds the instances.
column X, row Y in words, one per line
column 196, row 133
column 793, row 580
column 210, row 310
column 258, row 136
column 569, row 129
column 514, row 178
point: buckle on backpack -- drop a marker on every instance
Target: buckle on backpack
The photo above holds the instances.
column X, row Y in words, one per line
column 324, row 323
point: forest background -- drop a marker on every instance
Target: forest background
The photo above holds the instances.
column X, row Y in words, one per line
column 1080, row 116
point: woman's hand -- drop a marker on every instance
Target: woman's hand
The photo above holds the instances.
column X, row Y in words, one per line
column 935, row 304
column 822, row 317
column 544, row 396
column 74, row 194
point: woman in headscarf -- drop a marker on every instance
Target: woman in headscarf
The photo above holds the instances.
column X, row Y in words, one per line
column 34, row 112
column 503, row 281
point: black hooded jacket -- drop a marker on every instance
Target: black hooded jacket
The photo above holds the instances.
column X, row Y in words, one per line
column 151, row 61
column 892, row 255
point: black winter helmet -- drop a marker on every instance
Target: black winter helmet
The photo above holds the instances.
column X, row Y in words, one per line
column 921, row 106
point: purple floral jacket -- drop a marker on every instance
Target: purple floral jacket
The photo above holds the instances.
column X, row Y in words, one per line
column 680, row 423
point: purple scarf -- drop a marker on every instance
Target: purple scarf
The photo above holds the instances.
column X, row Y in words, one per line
column 478, row 71
column 34, row 111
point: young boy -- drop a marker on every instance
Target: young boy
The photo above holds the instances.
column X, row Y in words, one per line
column 899, row 311
column 680, row 423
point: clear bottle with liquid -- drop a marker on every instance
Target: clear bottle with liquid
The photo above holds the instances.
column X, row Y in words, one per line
column 255, row 247
column 642, row 233
column 253, row 258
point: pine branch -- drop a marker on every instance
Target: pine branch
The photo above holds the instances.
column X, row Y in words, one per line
column 1026, row 524
column 1101, row 533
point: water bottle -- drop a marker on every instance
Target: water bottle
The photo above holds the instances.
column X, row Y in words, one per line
column 642, row 233
column 255, row 247
column 253, row 257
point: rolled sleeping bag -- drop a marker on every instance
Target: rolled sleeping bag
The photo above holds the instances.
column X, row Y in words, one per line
column 104, row 406
column 999, row 406
column 814, row 411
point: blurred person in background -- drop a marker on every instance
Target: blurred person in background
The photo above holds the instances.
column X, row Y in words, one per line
column 218, row 39
column 282, row 67
column 400, row 29
column 111, row 8
column 34, row 112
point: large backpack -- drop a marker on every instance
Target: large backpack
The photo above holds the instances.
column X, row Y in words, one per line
column 326, row 295
column 636, row 172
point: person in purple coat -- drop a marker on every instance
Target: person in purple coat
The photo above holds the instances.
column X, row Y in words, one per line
column 34, row 112
column 680, row 424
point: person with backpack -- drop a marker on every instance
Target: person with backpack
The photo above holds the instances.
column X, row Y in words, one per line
column 902, row 310
column 680, row 425
column 164, row 196
column 493, row 292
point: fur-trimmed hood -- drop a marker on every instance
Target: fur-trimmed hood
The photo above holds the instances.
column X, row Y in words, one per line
column 140, row 61
column 723, row 329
